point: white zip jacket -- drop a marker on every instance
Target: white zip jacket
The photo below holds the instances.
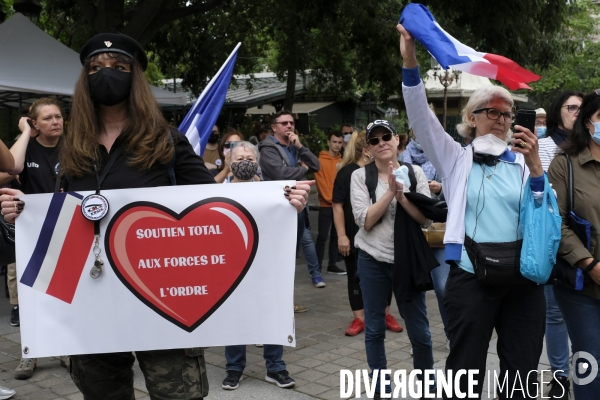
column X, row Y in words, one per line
column 451, row 161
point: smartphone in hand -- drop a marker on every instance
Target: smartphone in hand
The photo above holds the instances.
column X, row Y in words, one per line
column 526, row 118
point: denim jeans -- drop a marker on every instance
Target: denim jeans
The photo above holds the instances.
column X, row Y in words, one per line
column 557, row 337
column 308, row 247
column 439, row 276
column 582, row 315
column 235, row 357
column 375, row 284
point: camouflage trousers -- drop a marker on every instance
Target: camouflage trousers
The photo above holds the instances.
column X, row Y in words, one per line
column 170, row 374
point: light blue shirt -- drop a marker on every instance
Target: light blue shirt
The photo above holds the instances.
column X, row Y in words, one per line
column 493, row 206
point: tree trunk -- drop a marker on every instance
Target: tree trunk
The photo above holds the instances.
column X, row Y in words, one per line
column 290, row 89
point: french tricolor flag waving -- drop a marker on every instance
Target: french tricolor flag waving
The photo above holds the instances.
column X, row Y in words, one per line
column 449, row 52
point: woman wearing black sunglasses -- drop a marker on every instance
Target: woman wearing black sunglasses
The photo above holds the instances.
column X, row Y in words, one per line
column 484, row 186
column 375, row 242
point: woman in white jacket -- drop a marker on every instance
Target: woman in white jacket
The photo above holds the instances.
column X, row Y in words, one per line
column 483, row 184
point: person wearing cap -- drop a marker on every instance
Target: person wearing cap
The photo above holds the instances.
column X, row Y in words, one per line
column 484, row 186
column 375, row 242
column 540, row 122
column 117, row 125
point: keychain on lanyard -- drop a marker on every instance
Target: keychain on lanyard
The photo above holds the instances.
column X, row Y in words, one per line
column 95, row 207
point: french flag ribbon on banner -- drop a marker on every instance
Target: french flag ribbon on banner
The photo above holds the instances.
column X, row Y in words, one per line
column 449, row 52
column 61, row 250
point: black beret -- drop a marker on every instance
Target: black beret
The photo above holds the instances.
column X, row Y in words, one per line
column 114, row 43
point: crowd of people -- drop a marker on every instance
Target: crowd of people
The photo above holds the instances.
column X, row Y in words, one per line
column 378, row 191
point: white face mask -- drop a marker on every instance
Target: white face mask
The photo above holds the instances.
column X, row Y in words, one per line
column 489, row 144
column 347, row 137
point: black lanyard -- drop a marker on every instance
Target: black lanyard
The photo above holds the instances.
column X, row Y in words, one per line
column 111, row 160
column 100, row 178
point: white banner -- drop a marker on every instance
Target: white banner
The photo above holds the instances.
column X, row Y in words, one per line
column 184, row 266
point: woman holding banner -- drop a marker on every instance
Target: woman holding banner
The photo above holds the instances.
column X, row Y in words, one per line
column 484, row 185
column 119, row 140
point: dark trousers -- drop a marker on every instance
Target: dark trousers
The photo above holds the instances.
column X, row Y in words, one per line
column 517, row 312
column 325, row 223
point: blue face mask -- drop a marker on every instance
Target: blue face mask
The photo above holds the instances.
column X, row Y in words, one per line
column 596, row 134
column 541, row 131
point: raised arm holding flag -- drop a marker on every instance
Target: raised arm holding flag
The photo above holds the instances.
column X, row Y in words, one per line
column 449, row 52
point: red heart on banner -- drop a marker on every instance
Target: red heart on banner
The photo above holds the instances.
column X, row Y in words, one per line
column 183, row 266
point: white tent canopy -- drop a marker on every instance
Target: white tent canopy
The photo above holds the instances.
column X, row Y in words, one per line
column 33, row 63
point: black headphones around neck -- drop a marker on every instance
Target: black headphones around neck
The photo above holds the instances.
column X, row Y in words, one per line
column 486, row 159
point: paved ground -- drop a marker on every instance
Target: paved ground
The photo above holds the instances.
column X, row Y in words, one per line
column 322, row 350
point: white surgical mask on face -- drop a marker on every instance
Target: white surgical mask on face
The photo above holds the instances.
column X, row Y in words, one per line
column 489, row 144
column 596, row 134
column 347, row 137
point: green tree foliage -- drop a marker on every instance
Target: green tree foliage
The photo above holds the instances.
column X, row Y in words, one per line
column 194, row 48
column 578, row 67
column 348, row 45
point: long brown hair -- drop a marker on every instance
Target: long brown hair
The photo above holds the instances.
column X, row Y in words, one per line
column 146, row 135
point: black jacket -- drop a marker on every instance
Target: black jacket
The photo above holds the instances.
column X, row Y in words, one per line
column 413, row 258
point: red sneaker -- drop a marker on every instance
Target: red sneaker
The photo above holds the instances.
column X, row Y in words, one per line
column 392, row 324
column 356, row 326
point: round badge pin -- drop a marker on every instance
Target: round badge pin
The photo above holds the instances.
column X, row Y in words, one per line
column 94, row 207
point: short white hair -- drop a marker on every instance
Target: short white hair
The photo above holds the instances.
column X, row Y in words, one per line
column 248, row 146
column 479, row 99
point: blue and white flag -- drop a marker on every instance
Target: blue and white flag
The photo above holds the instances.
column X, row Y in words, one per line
column 199, row 121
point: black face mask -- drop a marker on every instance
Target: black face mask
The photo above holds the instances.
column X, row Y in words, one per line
column 109, row 86
column 213, row 138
